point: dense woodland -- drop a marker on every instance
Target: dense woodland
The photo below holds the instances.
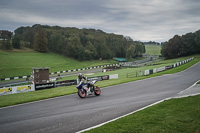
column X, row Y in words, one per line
column 184, row 45
column 81, row 44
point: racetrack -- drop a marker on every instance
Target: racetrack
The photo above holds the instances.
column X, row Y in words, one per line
column 20, row 81
column 71, row 114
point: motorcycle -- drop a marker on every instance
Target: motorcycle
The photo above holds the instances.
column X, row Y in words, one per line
column 85, row 89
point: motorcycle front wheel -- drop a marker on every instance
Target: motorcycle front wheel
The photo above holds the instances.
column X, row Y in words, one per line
column 97, row 91
column 81, row 94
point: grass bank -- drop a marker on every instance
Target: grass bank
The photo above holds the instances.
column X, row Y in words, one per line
column 20, row 63
column 13, row 99
column 153, row 49
column 171, row 116
column 19, row 98
column 122, row 73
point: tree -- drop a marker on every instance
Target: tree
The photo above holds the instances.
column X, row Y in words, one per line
column 164, row 50
column 90, row 51
column 74, row 48
column 184, row 45
column 8, row 45
column 188, row 44
column 104, row 52
column 197, row 41
column 16, row 42
column 5, row 34
column 81, row 44
column 130, row 51
column 139, row 49
column 172, row 48
column 40, row 40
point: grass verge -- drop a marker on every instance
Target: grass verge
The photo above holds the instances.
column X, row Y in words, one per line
column 171, row 116
column 15, row 63
column 14, row 99
column 19, row 98
column 153, row 49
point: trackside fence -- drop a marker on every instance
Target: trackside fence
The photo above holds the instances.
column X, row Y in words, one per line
column 135, row 74
column 66, row 71
column 160, row 69
column 34, row 87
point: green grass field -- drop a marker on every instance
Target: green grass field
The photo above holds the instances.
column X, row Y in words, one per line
column 171, row 116
column 123, row 72
column 21, row 63
column 13, row 99
column 153, row 49
column 176, row 115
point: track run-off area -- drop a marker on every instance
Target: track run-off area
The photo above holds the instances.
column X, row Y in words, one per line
column 72, row 114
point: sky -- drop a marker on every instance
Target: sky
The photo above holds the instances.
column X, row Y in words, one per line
column 142, row 20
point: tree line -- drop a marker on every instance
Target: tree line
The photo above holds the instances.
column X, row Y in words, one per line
column 184, row 45
column 81, row 44
column 5, row 39
column 151, row 43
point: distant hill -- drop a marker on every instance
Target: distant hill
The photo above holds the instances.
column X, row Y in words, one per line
column 153, row 49
column 81, row 44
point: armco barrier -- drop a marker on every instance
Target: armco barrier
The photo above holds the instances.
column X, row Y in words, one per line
column 44, row 86
column 65, row 83
column 155, row 70
column 27, row 88
column 88, row 68
column 146, row 72
column 73, row 70
column 151, row 71
column 169, row 67
column 114, row 76
column 17, row 89
column 99, row 78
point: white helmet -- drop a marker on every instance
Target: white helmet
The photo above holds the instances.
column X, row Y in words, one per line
column 80, row 75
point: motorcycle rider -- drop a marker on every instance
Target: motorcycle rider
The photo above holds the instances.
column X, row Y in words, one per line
column 84, row 80
column 81, row 78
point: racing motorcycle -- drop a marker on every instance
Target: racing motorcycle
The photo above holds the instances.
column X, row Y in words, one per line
column 85, row 89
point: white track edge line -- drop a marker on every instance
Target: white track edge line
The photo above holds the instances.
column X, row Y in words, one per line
column 102, row 88
column 189, row 87
column 75, row 93
column 99, row 125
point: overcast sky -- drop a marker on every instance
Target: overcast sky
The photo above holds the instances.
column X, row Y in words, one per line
column 144, row 20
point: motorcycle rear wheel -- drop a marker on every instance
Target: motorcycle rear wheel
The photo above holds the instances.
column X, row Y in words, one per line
column 82, row 94
column 97, row 91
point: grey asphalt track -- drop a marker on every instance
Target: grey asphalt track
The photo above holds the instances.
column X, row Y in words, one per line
column 68, row 114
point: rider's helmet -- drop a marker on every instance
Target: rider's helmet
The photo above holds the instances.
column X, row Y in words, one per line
column 80, row 75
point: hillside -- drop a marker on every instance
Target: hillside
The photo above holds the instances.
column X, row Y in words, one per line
column 20, row 63
column 81, row 44
column 153, row 49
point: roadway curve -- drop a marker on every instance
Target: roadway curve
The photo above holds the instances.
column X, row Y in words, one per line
column 71, row 114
